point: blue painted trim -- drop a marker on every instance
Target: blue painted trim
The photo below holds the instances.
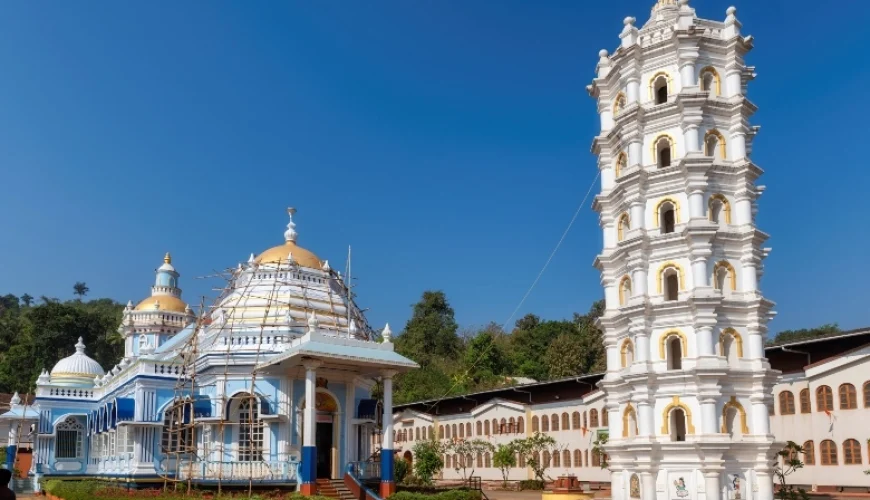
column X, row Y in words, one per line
column 10, row 456
column 309, row 465
column 387, row 459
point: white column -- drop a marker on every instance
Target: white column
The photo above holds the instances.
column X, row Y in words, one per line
column 756, row 345
column 687, row 73
column 706, row 344
column 760, row 416
column 708, row 416
column 692, row 137
column 699, row 272
column 632, row 90
column 648, row 485
column 608, row 177
column 606, row 117
column 712, row 485
column 737, row 146
column 696, row 205
column 309, row 415
column 641, row 353
column 749, row 275
column 638, row 282
column 743, row 211
column 611, row 296
column 645, row 421
column 610, row 235
column 636, row 215
column 635, row 152
column 733, row 82
column 765, row 486
column 613, row 361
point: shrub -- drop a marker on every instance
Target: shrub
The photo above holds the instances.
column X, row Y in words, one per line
column 531, row 484
column 456, row 494
column 400, row 470
column 88, row 490
column 427, row 460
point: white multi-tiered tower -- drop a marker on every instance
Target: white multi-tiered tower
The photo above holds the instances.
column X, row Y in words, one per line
column 687, row 384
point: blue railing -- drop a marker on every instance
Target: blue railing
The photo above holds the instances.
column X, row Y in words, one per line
column 364, row 471
column 279, row 471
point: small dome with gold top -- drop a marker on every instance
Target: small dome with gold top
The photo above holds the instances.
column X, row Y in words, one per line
column 290, row 251
column 165, row 294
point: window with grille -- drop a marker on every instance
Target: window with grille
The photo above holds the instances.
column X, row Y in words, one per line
column 805, row 401
column 545, row 424
column 578, row 458
column 851, row 452
column 479, row 427
column 69, row 439
column 565, row 425
column 554, row 422
column 176, row 436
column 575, row 420
column 566, row 457
column 824, row 399
column 521, row 425
column 786, row 403
column 250, row 431
column 828, row 452
column 593, row 418
column 848, row 397
column 809, row 453
column 557, row 459
column 596, row 459
column 866, row 394
column 535, row 424
column 605, row 417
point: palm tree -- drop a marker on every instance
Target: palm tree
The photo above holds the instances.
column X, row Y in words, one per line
column 27, row 299
column 80, row 289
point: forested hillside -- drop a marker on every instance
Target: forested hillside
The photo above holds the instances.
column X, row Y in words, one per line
column 34, row 335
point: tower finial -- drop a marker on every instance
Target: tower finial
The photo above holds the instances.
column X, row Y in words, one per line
column 290, row 233
column 80, row 346
column 167, row 258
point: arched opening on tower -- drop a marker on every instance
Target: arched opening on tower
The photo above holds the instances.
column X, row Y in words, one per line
column 723, row 281
column 624, row 291
column 732, row 422
column 712, row 146
column 660, row 89
column 729, row 349
column 716, row 211
column 668, row 214
column 707, row 81
column 663, row 152
column 675, row 353
column 631, row 421
column 671, row 284
column 678, row 424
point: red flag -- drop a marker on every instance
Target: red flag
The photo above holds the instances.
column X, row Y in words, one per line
column 828, row 413
column 584, row 430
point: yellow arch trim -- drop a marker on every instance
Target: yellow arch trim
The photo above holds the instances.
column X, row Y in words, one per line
column 652, row 83
column 737, row 338
column 623, row 300
column 621, row 162
column 733, row 403
column 655, row 151
column 723, row 150
column 660, row 275
column 716, row 78
column 666, row 416
column 629, row 411
column 726, row 205
column 675, row 203
column 732, row 275
column 619, row 103
column 623, row 351
column 622, row 224
column 663, row 341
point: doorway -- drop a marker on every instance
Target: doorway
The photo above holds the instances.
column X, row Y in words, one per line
column 323, row 442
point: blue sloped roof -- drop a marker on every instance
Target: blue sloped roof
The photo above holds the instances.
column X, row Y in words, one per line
column 347, row 351
column 176, row 341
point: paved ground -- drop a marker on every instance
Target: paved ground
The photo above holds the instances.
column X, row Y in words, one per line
column 531, row 495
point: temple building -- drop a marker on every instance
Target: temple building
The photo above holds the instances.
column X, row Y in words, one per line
column 272, row 384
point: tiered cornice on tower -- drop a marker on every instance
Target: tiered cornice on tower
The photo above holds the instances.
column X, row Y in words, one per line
column 687, row 383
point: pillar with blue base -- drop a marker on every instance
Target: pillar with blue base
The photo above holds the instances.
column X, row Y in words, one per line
column 388, row 483
column 13, row 445
column 308, row 470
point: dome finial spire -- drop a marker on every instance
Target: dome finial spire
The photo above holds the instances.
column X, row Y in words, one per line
column 80, row 346
column 167, row 258
column 290, row 233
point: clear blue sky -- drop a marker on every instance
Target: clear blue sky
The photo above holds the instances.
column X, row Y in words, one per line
column 447, row 141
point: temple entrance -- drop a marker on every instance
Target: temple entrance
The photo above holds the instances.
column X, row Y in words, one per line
column 323, row 442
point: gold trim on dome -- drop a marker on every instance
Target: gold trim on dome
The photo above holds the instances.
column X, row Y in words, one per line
column 73, row 374
column 279, row 254
column 166, row 303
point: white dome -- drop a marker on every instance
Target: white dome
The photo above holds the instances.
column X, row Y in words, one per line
column 78, row 368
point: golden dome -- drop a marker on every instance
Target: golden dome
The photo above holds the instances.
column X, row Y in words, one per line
column 165, row 303
column 280, row 253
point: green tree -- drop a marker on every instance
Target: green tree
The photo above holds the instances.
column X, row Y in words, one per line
column 428, row 382
column 504, row 458
column 806, row 333
column 788, row 462
column 80, row 289
column 529, row 342
column 431, row 332
column 531, row 448
column 565, row 357
column 400, row 469
column 427, row 460
column 27, row 299
column 485, row 360
column 467, row 450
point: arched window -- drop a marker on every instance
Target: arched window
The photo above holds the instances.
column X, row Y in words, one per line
column 809, row 453
column 596, row 459
column 805, row 401
column 585, row 421
column 535, row 427
column 557, row 459
column 629, row 422
column 587, row 458
column 667, row 215
column 69, row 439
column 621, row 164
column 670, row 282
column 486, row 425
column 479, row 460
column 461, row 431
column 824, row 399
column 709, row 81
column 495, row 429
column 546, row 457
column 719, row 209
column 605, row 417
column 575, row 420
column 593, row 418
column 848, row 397
column 565, row 424
column 468, row 429
column 851, row 452
column 502, row 427
column 578, row 458
column 828, row 452
column 624, row 290
column 678, row 424
column 554, row 422
column 453, row 431
column 619, row 103
column 512, row 426
column 566, row 458
column 786, row 403
column 250, row 431
column 447, row 430
column 479, row 428
column 724, row 277
column 417, row 433
column 714, row 144
column 487, row 460
column 441, row 432
column 521, row 425
column 626, row 353
column 545, row 424
column 675, row 353
column 623, row 225
column 521, row 459
column 659, row 87
column 731, row 345
column 663, row 151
